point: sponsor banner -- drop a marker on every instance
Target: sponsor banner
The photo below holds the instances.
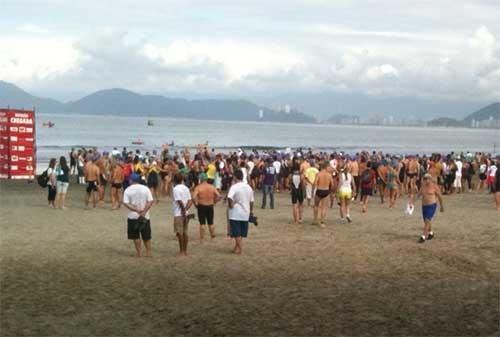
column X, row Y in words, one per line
column 15, row 159
column 21, row 167
column 20, row 130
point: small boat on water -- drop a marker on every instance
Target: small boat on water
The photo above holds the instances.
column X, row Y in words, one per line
column 151, row 122
column 48, row 124
column 138, row 141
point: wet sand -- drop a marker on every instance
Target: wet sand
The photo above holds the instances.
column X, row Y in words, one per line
column 70, row 273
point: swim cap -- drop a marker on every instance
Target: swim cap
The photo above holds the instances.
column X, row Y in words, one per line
column 135, row 177
column 203, row 176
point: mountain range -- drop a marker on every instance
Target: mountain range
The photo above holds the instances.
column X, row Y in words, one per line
column 127, row 103
column 488, row 116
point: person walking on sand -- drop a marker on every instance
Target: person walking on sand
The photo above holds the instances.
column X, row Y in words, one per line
column 323, row 185
column 240, row 201
column 430, row 194
column 92, row 174
column 346, row 188
column 138, row 199
column 181, row 203
column 205, row 196
column 367, row 181
column 62, row 177
column 497, row 185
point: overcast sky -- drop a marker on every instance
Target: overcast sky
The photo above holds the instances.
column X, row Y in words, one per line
column 426, row 48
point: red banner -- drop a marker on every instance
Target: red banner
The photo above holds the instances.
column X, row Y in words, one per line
column 17, row 144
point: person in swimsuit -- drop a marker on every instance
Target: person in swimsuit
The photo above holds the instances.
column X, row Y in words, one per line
column 382, row 179
column 153, row 179
column 92, row 174
column 392, row 184
column 117, row 178
column 297, row 192
column 323, row 184
column 429, row 193
column 497, row 185
column 412, row 173
column 346, row 187
column 205, row 196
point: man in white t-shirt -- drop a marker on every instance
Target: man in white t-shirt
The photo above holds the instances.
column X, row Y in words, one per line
column 138, row 199
column 458, row 175
column 181, row 203
column 277, row 168
column 240, row 202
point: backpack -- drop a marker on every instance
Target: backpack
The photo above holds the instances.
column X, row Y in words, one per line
column 43, row 179
column 366, row 177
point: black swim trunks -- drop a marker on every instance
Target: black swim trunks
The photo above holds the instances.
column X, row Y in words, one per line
column 102, row 180
column 206, row 214
column 117, row 185
column 139, row 228
column 297, row 195
column 91, row 186
column 322, row 193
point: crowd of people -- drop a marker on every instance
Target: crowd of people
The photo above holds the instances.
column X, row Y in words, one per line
column 199, row 179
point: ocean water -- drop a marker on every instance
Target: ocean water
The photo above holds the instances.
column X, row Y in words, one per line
column 106, row 132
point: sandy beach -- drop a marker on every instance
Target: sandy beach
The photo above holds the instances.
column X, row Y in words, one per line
column 70, row 272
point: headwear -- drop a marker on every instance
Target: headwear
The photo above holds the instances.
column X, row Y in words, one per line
column 134, row 177
column 203, row 176
column 428, row 176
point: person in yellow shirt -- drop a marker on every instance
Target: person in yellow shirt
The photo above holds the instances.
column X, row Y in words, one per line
column 310, row 174
column 211, row 169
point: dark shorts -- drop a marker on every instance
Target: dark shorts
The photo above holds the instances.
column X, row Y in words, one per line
column 210, row 181
column 102, row 181
column 137, row 229
column 366, row 191
column 91, row 186
column 411, row 175
column 482, row 176
column 238, row 228
column 206, row 214
column 322, row 193
column 153, row 184
column 297, row 195
column 118, row 186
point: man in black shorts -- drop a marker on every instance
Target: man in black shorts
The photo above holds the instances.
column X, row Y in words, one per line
column 205, row 196
column 138, row 199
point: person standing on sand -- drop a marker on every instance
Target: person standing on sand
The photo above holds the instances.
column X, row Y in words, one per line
column 323, row 185
column 429, row 193
column 181, row 203
column 240, row 201
column 62, row 176
column 51, row 183
column 205, row 196
column 268, row 179
column 91, row 177
column 310, row 174
column 138, row 199
column 497, row 185
column 117, row 178
column 297, row 191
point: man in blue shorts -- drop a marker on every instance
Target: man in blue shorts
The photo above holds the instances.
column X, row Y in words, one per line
column 240, row 203
column 431, row 193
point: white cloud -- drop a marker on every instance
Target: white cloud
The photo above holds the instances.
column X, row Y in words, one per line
column 385, row 70
column 227, row 47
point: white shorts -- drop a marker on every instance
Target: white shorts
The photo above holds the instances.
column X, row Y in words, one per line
column 62, row 187
column 458, row 182
column 309, row 191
